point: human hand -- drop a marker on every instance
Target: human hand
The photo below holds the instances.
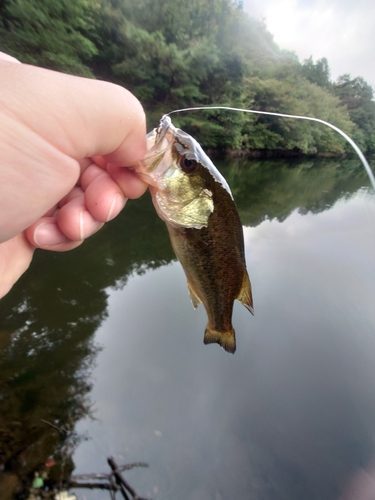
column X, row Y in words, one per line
column 64, row 143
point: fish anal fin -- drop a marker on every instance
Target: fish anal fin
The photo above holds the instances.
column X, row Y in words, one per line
column 227, row 340
column 245, row 295
column 195, row 300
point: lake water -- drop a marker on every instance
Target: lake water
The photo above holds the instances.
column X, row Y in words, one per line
column 103, row 342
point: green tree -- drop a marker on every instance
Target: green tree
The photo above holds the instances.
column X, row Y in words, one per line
column 173, row 54
column 301, row 98
column 357, row 95
column 50, row 33
column 318, row 72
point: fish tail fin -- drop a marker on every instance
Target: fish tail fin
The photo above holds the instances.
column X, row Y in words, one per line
column 227, row 340
column 245, row 296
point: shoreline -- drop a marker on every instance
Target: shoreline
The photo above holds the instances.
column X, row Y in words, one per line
column 272, row 153
column 238, row 154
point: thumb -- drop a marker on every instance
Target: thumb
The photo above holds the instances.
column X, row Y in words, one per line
column 80, row 117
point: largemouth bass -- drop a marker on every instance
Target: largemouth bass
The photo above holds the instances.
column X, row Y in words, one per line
column 194, row 200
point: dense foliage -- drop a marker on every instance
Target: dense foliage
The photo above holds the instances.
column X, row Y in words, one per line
column 173, row 54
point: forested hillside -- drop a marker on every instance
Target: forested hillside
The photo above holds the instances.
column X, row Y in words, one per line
column 174, row 53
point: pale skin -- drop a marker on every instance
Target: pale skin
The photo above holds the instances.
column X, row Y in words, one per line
column 64, row 143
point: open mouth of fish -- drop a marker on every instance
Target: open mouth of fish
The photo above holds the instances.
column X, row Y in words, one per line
column 159, row 142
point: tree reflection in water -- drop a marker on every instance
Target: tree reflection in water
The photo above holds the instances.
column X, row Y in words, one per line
column 48, row 321
column 46, row 337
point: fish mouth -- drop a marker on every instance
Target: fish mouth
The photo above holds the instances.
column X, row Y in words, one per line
column 159, row 141
column 164, row 125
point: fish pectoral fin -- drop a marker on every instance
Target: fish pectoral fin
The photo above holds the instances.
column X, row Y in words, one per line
column 195, row 300
column 193, row 214
column 245, row 295
column 227, row 340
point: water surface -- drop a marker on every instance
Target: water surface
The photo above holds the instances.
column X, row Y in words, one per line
column 103, row 341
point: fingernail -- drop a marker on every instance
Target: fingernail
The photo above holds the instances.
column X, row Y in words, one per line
column 117, row 205
column 48, row 234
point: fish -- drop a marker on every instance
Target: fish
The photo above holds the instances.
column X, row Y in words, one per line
column 194, row 200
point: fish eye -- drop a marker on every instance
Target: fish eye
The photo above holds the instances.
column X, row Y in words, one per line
column 187, row 165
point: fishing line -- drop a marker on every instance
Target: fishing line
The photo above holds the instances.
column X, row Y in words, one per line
column 269, row 113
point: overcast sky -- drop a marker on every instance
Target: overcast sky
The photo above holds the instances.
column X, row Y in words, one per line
column 343, row 31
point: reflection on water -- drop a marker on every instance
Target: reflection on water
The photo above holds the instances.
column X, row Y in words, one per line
column 108, row 329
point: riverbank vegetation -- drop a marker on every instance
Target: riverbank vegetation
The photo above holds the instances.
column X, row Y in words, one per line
column 173, row 54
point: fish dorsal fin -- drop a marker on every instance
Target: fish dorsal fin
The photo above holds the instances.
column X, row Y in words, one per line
column 195, row 300
column 245, row 296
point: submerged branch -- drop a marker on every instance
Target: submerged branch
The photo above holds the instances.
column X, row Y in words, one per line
column 113, row 482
